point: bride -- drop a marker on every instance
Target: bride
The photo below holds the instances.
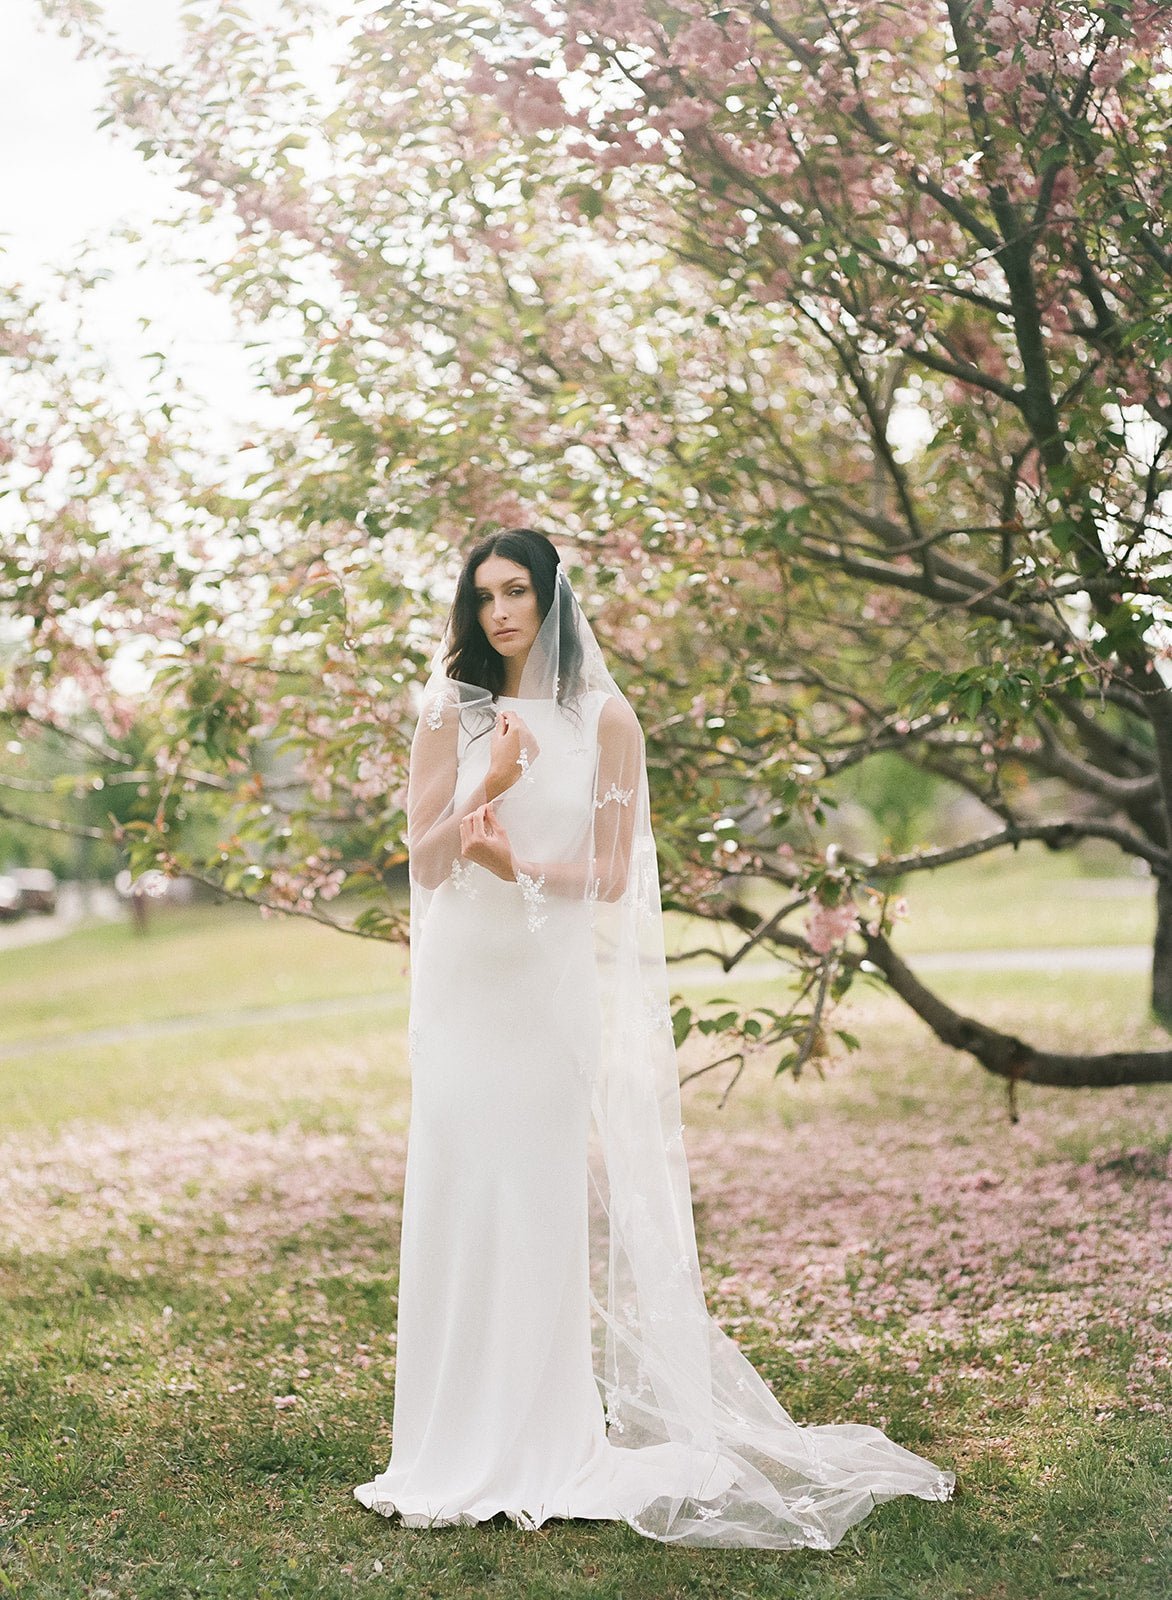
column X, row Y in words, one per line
column 555, row 1355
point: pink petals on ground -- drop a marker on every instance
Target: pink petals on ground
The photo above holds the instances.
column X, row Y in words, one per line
column 930, row 1240
column 893, row 1240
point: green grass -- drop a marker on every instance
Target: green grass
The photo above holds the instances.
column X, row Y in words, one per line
column 107, row 976
column 200, row 1221
column 190, row 963
column 1028, row 898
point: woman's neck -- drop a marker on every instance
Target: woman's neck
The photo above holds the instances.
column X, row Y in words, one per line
column 514, row 670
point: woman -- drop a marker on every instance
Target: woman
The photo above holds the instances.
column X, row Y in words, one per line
column 546, row 1146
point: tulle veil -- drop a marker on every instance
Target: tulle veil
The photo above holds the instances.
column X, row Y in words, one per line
column 668, row 1373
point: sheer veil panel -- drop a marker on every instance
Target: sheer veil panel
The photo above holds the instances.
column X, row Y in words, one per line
column 674, row 1386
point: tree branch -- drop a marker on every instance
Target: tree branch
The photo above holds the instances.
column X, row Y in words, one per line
column 73, row 830
column 1054, row 835
column 1005, row 1055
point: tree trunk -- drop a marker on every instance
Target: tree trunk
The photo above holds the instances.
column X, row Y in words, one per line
column 1162, row 955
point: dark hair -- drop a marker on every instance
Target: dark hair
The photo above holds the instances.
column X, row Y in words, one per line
column 470, row 657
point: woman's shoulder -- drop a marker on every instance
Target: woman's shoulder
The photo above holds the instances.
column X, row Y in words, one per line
column 615, row 718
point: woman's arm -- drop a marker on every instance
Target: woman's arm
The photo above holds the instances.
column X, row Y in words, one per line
column 433, row 825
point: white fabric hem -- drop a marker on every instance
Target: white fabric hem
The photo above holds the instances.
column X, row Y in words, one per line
column 520, row 1517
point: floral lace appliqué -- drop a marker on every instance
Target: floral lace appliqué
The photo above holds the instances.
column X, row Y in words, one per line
column 657, row 1015
column 464, row 879
column 524, row 763
column 435, row 711
column 644, row 887
column 814, row 1535
column 531, row 889
column 682, row 1269
column 621, row 797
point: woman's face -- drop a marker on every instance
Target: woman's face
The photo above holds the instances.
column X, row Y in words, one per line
column 506, row 605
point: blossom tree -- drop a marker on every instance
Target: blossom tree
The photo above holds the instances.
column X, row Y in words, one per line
column 832, row 337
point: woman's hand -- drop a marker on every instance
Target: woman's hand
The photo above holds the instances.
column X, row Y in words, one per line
column 484, row 840
column 511, row 751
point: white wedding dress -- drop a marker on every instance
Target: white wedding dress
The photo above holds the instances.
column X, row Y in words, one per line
column 545, row 1113
column 496, row 1404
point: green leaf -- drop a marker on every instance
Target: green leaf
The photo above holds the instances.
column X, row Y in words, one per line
column 681, row 1024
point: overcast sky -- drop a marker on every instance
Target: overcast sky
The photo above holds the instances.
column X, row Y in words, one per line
column 62, row 181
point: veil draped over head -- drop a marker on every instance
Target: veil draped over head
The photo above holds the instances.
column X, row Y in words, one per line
column 669, row 1375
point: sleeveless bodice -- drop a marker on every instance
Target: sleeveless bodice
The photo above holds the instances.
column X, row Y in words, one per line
column 548, row 812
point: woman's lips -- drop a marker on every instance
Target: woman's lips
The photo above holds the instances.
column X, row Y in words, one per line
column 505, row 633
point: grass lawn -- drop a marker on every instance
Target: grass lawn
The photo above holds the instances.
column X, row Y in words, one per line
column 1030, row 898
column 197, row 1222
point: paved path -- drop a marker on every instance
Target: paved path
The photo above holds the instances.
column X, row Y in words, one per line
column 1093, row 959
column 161, row 1027
column 1085, row 958
column 78, row 906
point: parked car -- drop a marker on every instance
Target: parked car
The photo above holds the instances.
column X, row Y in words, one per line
column 37, row 887
column 10, row 906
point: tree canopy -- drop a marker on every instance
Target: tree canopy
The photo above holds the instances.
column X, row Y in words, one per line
column 830, row 341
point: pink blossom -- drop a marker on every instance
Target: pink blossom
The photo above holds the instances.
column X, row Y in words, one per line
column 760, row 158
column 16, row 343
column 537, row 19
column 1108, row 69
column 626, row 149
column 882, row 606
column 1005, row 79
column 827, row 926
column 500, row 240
column 1037, row 60
column 532, row 101
column 375, row 775
column 625, row 21
column 717, row 54
column 684, row 113
column 482, row 78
